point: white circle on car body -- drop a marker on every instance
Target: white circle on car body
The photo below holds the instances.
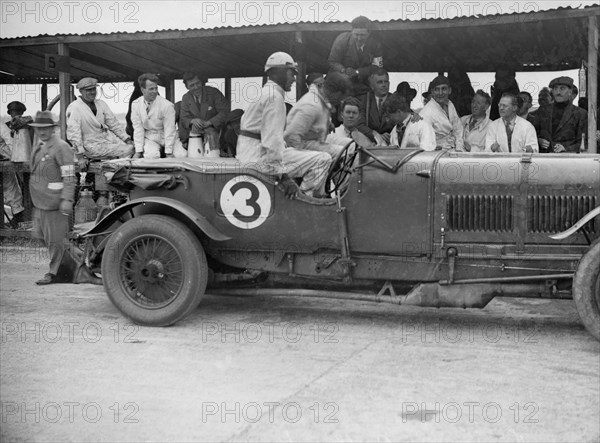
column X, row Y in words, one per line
column 245, row 202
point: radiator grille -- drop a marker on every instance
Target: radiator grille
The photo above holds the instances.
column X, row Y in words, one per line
column 550, row 213
column 480, row 213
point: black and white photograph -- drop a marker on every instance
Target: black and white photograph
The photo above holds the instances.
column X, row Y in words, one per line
column 299, row 221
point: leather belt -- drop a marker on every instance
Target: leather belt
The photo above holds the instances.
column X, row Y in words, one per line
column 253, row 135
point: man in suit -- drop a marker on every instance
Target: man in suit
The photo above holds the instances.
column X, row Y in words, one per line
column 560, row 126
column 510, row 133
column 373, row 122
column 357, row 54
column 204, row 110
column 52, row 188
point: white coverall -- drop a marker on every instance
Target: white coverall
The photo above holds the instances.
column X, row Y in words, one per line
column 155, row 128
column 92, row 132
column 266, row 119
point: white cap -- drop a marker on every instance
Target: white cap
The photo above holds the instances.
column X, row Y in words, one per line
column 281, row 60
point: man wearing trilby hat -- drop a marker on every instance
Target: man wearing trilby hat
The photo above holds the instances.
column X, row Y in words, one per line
column 52, row 188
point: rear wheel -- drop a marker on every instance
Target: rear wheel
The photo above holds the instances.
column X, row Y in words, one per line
column 154, row 270
column 586, row 289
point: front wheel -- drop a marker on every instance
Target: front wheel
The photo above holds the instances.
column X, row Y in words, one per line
column 586, row 289
column 154, row 270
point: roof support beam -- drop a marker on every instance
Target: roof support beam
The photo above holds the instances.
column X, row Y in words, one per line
column 132, row 74
column 64, row 80
column 592, row 83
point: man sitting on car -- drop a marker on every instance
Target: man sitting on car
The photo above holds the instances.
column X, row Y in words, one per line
column 261, row 138
column 308, row 122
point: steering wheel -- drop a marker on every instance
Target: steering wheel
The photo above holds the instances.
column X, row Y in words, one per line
column 341, row 168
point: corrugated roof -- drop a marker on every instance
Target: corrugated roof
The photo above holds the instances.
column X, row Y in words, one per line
column 546, row 40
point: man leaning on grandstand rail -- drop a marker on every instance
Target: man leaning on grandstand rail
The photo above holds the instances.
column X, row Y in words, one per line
column 153, row 119
column 89, row 124
column 309, row 120
column 261, row 138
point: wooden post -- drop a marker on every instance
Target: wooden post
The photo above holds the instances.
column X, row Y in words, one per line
column 44, row 90
column 170, row 90
column 592, row 83
column 299, row 55
column 64, row 80
column 228, row 88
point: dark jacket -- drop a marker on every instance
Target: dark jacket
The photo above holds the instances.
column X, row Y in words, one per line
column 570, row 131
column 52, row 174
column 371, row 119
column 345, row 54
column 213, row 106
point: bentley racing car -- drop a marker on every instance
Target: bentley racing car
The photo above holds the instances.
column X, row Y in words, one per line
column 433, row 229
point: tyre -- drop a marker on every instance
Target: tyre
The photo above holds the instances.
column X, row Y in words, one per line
column 586, row 289
column 154, row 270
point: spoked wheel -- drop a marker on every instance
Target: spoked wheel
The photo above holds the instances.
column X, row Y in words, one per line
column 154, row 270
column 586, row 289
column 341, row 168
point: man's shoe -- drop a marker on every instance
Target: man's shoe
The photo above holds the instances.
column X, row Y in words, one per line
column 48, row 279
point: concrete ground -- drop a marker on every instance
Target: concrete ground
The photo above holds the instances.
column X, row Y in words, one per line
column 290, row 369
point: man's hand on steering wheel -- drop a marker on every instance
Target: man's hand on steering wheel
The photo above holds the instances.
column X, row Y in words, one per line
column 288, row 186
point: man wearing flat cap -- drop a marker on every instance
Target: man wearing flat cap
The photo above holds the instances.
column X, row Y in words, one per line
column 52, row 188
column 441, row 114
column 91, row 125
column 560, row 126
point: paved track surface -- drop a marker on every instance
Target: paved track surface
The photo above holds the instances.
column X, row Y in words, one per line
column 290, row 369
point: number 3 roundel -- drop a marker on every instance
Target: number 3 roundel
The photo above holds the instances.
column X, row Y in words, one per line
column 246, row 202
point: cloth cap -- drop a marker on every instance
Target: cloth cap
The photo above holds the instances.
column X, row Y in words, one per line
column 87, row 82
column 43, row 119
column 16, row 106
column 405, row 90
column 567, row 81
column 439, row 80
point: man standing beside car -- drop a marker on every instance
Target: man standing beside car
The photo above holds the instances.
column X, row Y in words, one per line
column 52, row 188
column 561, row 125
column 261, row 139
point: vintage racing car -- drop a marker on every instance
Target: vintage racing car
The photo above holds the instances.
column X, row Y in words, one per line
column 445, row 229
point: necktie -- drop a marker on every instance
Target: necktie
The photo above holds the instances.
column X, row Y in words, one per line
column 400, row 132
column 509, row 132
column 147, row 107
column 93, row 108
